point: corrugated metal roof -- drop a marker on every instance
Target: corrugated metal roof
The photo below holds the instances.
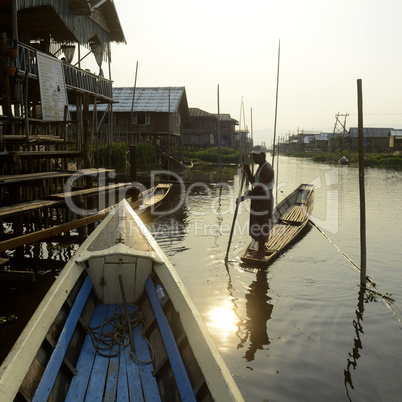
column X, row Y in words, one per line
column 321, row 137
column 154, row 99
column 195, row 112
column 226, row 117
column 396, row 132
column 45, row 16
column 370, row 132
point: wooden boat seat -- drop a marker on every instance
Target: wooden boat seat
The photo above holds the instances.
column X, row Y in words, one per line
column 297, row 214
column 95, row 375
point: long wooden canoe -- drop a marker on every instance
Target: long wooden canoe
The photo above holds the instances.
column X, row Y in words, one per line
column 290, row 217
column 151, row 199
column 117, row 324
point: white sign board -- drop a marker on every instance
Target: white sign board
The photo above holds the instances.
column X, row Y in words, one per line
column 52, row 87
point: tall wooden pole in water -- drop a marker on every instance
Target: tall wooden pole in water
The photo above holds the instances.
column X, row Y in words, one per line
column 276, row 103
column 219, row 144
column 361, row 186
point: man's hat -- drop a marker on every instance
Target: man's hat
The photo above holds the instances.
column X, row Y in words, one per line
column 259, row 149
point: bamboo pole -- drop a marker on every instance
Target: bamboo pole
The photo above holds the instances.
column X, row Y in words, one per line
column 234, row 216
column 361, row 186
column 276, row 103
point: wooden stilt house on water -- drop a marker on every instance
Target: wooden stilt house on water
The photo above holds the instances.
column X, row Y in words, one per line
column 157, row 115
column 40, row 145
column 37, row 85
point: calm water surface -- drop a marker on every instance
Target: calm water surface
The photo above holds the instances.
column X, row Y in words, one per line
column 300, row 330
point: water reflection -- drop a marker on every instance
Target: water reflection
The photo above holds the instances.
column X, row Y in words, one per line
column 259, row 310
column 354, row 356
column 253, row 329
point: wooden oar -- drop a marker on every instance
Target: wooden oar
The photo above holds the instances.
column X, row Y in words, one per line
column 234, row 216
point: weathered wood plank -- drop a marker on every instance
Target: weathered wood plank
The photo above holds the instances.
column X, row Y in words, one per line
column 97, row 382
column 17, row 276
column 52, row 231
column 49, row 376
column 148, row 381
column 133, row 375
column 122, row 389
column 27, row 206
column 79, row 383
column 89, row 191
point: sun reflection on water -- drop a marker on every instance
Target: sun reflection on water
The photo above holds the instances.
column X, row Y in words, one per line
column 222, row 322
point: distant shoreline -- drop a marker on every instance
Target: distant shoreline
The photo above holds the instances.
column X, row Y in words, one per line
column 382, row 160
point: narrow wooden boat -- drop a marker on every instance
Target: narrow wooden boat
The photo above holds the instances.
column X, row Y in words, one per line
column 150, row 199
column 117, row 324
column 184, row 169
column 290, row 217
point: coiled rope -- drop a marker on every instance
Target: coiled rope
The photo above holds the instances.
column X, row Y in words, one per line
column 112, row 334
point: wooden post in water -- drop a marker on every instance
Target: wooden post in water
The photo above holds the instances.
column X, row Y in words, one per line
column 219, row 145
column 361, row 186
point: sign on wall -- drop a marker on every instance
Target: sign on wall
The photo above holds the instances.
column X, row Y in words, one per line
column 52, row 87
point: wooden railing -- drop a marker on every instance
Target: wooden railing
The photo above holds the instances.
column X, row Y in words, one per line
column 76, row 78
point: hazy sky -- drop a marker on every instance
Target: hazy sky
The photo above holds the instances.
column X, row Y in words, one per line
column 325, row 47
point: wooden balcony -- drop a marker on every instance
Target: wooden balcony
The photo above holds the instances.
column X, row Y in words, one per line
column 77, row 80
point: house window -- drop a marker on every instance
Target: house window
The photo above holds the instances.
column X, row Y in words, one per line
column 178, row 119
column 141, row 118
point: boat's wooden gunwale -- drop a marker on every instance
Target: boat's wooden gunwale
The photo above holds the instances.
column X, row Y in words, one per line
column 196, row 345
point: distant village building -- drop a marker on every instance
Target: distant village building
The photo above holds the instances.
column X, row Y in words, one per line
column 375, row 139
column 395, row 140
column 227, row 130
column 156, row 115
column 203, row 129
column 200, row 131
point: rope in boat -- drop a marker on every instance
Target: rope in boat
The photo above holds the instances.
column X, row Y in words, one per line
column 105, row 341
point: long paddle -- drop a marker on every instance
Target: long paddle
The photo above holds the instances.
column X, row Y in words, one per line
column 234, row 216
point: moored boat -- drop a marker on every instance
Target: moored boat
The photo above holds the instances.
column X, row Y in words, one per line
column 151, row 199
column 290, row 217
column 117, row 324
column 183, row 169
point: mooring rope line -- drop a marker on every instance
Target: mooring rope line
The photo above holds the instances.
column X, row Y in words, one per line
column 384, row 297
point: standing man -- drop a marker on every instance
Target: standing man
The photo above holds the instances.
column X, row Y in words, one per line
column 261, row 196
